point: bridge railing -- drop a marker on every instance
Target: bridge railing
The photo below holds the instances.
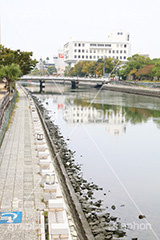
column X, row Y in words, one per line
column 58, row 78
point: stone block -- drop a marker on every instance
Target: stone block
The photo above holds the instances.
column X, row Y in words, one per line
column 56, row 204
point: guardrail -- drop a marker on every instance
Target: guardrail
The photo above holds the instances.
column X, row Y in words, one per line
column 7, row 106
column 3, row 105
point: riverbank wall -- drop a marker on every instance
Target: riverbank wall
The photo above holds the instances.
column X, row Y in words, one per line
column 133, row 90
column 82, row 227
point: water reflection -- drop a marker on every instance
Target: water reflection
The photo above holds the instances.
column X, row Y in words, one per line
column 114, row 120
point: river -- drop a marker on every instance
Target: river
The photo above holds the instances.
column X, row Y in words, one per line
column 116, row 137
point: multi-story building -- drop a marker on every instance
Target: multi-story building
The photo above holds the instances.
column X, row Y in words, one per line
column 117, row 47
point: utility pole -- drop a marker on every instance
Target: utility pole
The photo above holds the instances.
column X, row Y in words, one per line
column 104, row 67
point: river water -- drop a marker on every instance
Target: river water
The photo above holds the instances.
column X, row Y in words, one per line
column 116, row 137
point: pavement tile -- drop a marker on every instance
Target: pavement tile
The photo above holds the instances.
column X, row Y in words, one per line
column 19, row 182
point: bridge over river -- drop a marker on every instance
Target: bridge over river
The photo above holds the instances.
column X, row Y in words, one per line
column 75, row 81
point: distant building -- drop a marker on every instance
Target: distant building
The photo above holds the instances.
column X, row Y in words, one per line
column 55, row 60
column 47, row 65
column 143, row 54
column 42, row 65
column 117, row 47
column 60, row 63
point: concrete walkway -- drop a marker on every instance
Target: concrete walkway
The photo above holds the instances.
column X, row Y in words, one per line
column 19, row 175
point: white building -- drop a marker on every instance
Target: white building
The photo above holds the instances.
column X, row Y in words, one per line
column 117, row 47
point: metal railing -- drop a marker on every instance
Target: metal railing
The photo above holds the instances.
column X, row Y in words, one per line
column 6, row 108
column 3, row 106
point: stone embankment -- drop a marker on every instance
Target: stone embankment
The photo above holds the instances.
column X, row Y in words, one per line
column 92, row 221
column 132, row 89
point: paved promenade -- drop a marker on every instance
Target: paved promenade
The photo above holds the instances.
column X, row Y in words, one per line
column 19, row 176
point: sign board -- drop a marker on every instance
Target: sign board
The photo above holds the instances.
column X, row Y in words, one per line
column 61, row 55
column 10, row 217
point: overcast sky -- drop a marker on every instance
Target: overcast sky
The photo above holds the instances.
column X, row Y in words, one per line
column 45, row 26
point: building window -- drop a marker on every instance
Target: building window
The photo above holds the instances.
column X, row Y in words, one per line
column 86, row 57
column 79, row 56
column 107, row 45
column 124, row 51
column 94, row 57
column 100, row 45
column 125, row 45
column 83, row 45
column 127, row 37
column 97, row 57
column 75, row 50
column 90, row 57
column 120, row 33
column 109, row 51
column 94, row 51
column 121, row 51
column 113, row 57
column 75, row 44
column 90, row 51
column 79, row 44
column 117, row 51
column 124, row 57
column 113, row 51
column 82, row 56
column 79, row 50
column 116, row 57
column 93, row 45
column 82, row 50
column 75, row 56
column 86, row 51
column 120, row 57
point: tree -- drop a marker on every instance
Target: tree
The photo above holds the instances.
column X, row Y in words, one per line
column 111, row 65
column 67, row 70
column 37, row 72
column 146, row 72
column 23, row 59
column 94, row 68
column 134, row 62
column 78, row 69
column 99, row 69
column 51, row 70
column 89, row 68
column 10, row 73
column 156, row 70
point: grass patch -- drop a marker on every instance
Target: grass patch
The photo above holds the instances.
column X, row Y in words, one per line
column 17, row 99
column 45, row 213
